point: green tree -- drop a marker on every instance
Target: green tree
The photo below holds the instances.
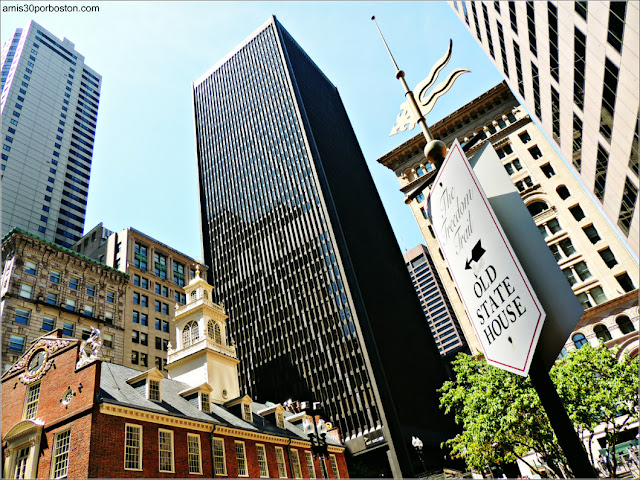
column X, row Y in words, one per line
column 596, row 387
column 501, row 416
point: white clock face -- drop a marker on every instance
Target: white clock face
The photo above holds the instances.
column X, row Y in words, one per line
column 37, row 361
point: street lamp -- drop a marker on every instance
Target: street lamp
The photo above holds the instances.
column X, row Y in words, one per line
column 317, row 433
column 417, row 444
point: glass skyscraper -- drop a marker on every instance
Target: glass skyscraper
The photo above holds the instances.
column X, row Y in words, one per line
column 303, row 257
column 49, row 111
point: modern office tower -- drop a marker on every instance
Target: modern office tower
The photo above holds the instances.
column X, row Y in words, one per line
column 49, row 111
column 46, row 287
column 157, row 277
column 574, row 65
column 594, row 259
column 435, row 303
column 303, row 256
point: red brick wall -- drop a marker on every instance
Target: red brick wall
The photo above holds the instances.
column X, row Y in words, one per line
column 78, row 447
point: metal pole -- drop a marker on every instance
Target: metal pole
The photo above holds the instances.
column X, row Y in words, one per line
column 323, row 465
column 560, row 422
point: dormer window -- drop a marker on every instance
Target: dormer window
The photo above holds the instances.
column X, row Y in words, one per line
column 154, row 390
column 247, row 416
column 280, row 419
column 205, row 404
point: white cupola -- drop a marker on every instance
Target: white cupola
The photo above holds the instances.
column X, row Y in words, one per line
column 201, row 354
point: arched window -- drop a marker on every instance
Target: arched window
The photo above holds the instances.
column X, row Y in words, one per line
column 537, row 207
column 218, row 334
column 625, row 324
column 210, row 329
column 563, row 192
column 193, row 295
column 206, row 295
column 190, row 334
column 602, row 333
column 420, row 171
column 579, row 340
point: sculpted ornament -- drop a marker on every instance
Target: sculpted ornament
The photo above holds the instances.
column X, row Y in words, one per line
column 90, row 348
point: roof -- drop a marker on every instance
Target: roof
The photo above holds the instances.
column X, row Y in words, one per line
column 115, row 388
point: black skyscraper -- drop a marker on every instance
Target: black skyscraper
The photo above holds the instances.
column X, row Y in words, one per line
column 303, row 256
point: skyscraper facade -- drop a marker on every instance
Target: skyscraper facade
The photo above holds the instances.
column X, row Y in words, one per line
column 303, row 257
column 49, row 108
column 575, row 67
column 435, row 303
column 597, row 264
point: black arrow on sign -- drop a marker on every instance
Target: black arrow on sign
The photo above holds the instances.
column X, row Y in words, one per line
column 476, row 254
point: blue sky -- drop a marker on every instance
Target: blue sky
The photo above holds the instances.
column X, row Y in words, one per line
column 144, row 165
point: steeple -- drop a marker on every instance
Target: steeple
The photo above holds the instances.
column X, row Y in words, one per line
column 201, row 354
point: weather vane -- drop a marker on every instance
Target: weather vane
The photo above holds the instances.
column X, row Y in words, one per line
column 416, row 106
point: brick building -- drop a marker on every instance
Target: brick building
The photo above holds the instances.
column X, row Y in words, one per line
column 47, row 287
column 66, row 413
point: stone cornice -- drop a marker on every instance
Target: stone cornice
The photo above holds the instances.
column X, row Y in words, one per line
column 154, row 417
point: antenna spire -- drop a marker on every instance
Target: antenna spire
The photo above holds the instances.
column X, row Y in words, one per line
column 385, row 44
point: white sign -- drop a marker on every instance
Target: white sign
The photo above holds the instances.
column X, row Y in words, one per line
column 500, row 302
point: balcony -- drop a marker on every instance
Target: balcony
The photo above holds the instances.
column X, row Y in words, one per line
column 201, row 301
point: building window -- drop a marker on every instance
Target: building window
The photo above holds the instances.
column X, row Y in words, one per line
column 178, row 273
column 602, row 166
column 21, row 463
column 54, row 276
column 531, row 26
column 165, row 326
column 88, row 310
column 165, row 450
column 282, row 469
column 310, row 466
column 144, row 300
column 581, row 9
column 134, row 357
column 154, row 390
column 91, row 289
column 579, row 340
column 86, row 333
column 263, row 467
column 144, row 339
column 537, row 207
column 156, row 305
column 563, row 192
column 617, row 13
column 608, row 257
column 591, row 233
column 219, row 459
column 280, row 419
column 68, row 329
column 334, row 466
column 160, row 265
column 31, row 402
column 70, row 304
column 503, row 50
column 30, row 267
column 74, row 283
column 598, row 295
column 48, row 323
column 518, row 59
column 487, row 30
column 60, row 461
column 577, row 212
column 22, row 316
column 205, row 404
column 26, row 290
column 193, row 446
column 548, row 170
column 111, row 296
column 107, row 340
column 133, row 447
column 625, row 282
column 135, row 336
column 555, row 114
column 524, row 184
column 247, row 416
column 625, row 324
column 140, row 256
column 165, row 308
column 602, row 333
column 627, row 206
column 553, row 40
column 241, row 459
column 535, row 152
column 535, row 78
column 579, row 66
column 16, row 343
column 295, row 464
column 190, row 334
column 143, row 359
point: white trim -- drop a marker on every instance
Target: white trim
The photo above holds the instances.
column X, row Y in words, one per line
column 283, row 464
column 296, row 467
column 171, row 443
column 25, row 407
column 54, row 453
column 219, row 441
column 261, row 447
column 311, row 467
column 244, row 458
column 138, row 428
column 197, row 438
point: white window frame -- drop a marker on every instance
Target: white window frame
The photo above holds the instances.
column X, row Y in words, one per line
column 247, row 416
column 21, row 462
column 34, row 401
column 219, row 444
column 137, row 448
column 295, row 463
column 241, row 458
column 280, row 419
column 310, row 465
column 281, row 462
column 263, row 464
column 205, row 402
column 171, row 450
column 334, row 466
column 159, row 399
column 194, row 440
column 62, row 457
